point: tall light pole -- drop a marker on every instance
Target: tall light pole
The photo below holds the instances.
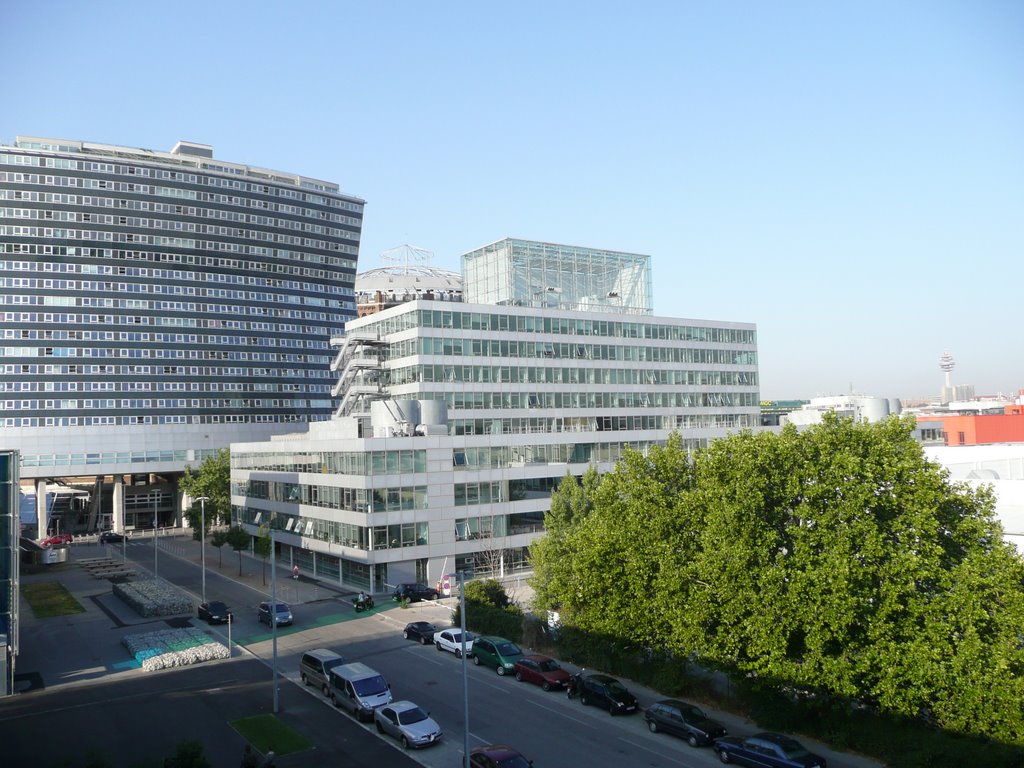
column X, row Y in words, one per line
column 155, row 548
column 202, row 538
column 273, row 603
column 465, row 669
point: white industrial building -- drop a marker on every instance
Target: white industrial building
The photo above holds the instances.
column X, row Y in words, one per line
column 857, row 407
column 456, row 420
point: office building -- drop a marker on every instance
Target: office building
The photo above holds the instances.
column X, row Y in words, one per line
column 155, row 307
column 456, row 420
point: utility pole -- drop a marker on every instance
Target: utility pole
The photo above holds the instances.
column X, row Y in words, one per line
column 202, row 538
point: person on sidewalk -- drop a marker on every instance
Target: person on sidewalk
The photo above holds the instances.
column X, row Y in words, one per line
column 295, row 572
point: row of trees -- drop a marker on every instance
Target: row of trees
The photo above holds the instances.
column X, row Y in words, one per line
column 837, row 560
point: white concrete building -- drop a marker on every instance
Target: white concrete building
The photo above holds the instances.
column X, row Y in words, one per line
column 857, row 407
column 456, row 421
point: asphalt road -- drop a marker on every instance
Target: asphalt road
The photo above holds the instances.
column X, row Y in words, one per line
column 137, row 715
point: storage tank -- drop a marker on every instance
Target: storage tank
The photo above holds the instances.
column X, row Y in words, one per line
column 433, row 412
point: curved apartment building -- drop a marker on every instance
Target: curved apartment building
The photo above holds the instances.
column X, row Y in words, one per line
column 157, row 306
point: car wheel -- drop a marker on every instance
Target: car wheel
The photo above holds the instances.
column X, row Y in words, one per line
column 584, row 700
column 546, row 686
column 724, row 756
column 500, row 670
column 380, row 728
column 305, row 680
column 519, row 676
column 423, row 641
column 476, row 660
column 611, row 708
column 438, row 646
column 458, row 653
column 405, row 634
column 692, row 740
column 405, row 743
column 334, row 700
column 652, row 726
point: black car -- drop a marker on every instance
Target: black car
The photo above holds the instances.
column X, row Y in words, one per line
column 215, row 612
column 683, row 720
column 111, row 537
column 414, row 592
column 607, row 693
column 420, row 630
column 767, row 750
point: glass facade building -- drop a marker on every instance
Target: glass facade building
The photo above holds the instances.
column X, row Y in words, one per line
column 156, row 306
column 533, row 274
column 474, row 413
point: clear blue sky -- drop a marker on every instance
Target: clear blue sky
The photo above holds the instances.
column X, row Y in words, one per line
column 847, row 175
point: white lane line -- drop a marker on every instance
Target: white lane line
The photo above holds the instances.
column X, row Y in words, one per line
column 662, row 755
column 560, row 712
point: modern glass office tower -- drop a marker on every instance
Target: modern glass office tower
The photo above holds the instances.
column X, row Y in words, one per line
column 156, row 306
column 457, row 420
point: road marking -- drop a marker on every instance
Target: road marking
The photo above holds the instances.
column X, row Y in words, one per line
column 560, row 712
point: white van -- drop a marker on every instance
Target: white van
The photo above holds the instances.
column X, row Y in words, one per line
column 359, row 689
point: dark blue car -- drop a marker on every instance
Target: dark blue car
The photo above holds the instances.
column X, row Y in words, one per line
column 767, row 750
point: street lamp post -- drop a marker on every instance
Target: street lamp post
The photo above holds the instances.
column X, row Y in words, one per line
column 155, row 548
column 202, row 538
column 465, row 669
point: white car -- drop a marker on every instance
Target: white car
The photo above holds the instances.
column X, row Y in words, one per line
column 451, row 640
column 408, row 723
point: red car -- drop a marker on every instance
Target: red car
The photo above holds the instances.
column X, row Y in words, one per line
column 497, row 756
column 543, row 671
column 60, row 538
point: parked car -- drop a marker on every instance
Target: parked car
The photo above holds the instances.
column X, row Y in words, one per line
column 282, row 616
column 767, row 750
column 408, row 723
column 498, row 756
column 497, row 653
column 56, row 539
column 683, row 720
column 315, row 668
column 420, row 630
column 414, row 592
column 606, row 692
column 111, row 537
column 451, row 640
column 215, row 612
column 543, row 671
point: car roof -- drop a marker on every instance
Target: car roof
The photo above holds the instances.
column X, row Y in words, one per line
column 538, row 657
column 420, row 624
column 404, row 705
column 323, row 653
column 497, row 751
column 601, row 678
column 777, row 738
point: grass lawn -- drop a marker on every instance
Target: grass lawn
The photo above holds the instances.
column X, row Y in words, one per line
column 49, row 598
column 266, row 732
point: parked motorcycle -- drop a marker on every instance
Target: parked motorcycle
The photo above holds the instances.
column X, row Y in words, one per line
column 362, row 605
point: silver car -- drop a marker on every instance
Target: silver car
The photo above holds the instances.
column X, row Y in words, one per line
column 408, row 723
column 282, row 616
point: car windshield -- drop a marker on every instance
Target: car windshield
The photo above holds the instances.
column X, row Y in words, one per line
column 282, row 608
column 508, row 649
column 218, row 607
column 370, row 686
column 691, row 711
column 457, row 637
column 410, row 716
column 615, row 686
column 549, row 666
column 514, row 762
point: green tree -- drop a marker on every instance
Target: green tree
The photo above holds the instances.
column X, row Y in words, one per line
column 211, row 479
column 218, row 539
column 571, row 502
column 262, row 548
column 836, row 559
column 239, row 541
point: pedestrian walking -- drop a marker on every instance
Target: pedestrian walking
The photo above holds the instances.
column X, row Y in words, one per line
column 295, row 572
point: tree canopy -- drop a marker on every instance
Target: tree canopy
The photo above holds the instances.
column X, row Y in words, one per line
column 211, row 479
column 836, row 559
